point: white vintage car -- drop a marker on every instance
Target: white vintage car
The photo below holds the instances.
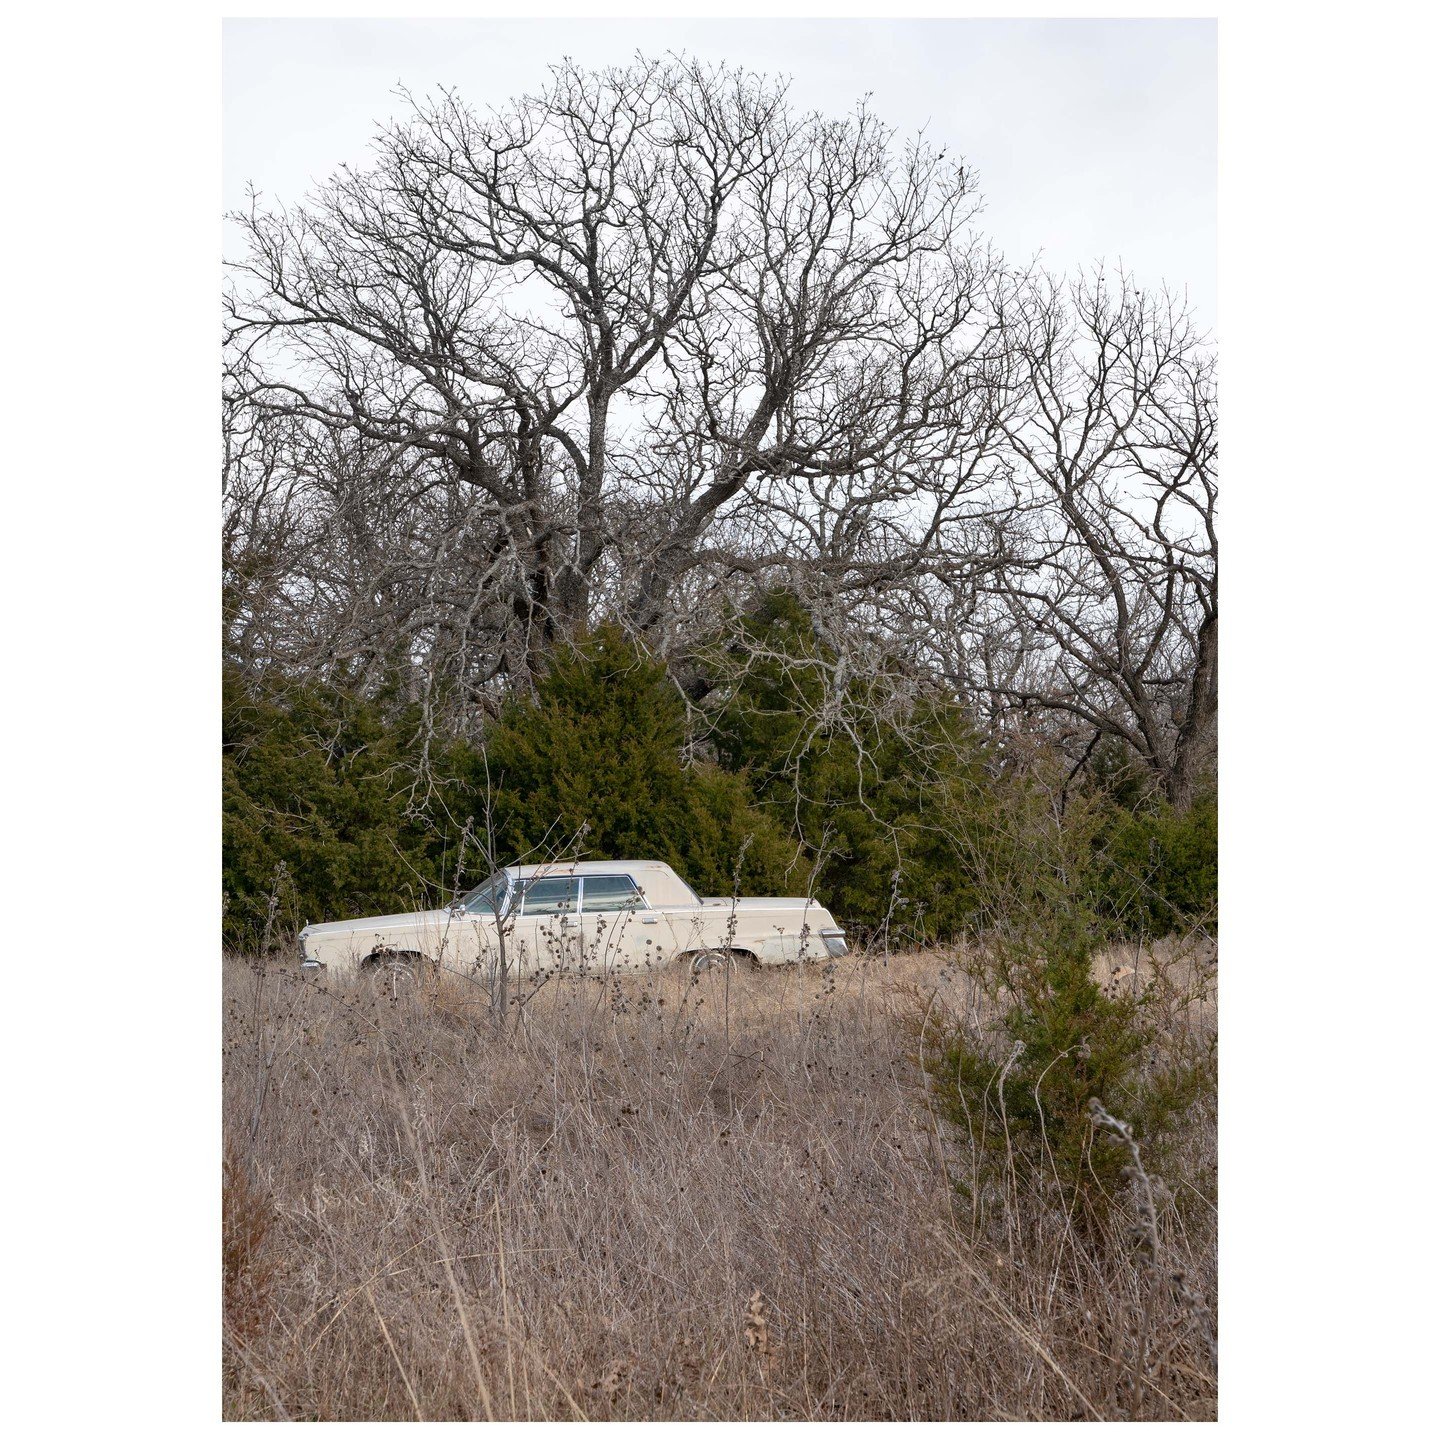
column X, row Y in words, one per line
column 593, row 915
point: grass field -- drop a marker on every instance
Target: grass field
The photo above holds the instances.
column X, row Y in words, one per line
column 672, row 1197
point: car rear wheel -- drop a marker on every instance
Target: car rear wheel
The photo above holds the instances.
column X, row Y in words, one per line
column 702, row 960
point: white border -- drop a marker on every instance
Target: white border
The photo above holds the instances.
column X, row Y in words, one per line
column 1327, row 325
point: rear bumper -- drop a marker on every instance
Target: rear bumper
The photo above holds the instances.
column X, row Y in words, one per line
column 834, row 942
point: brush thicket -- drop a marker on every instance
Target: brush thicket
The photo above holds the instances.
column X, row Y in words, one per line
column 609, row 1211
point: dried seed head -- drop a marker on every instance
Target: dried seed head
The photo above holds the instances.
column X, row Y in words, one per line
column 757, row 1324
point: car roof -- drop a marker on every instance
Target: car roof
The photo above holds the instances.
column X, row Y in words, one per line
column 589, row 867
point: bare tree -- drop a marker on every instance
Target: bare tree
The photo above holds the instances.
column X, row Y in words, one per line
column 358, row 563
column 833, row 398
column 649, row 343
column 648, row 321
column 487, row 291
column 1106, row 616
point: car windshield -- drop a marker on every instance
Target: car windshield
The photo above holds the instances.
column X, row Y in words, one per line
column 488, row 897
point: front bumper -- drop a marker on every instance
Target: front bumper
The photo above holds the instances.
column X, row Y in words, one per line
column 308, row 964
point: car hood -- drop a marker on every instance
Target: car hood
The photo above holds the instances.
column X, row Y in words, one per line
column 415, row 920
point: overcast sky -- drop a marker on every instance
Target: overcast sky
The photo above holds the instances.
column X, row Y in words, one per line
column 1092, row 138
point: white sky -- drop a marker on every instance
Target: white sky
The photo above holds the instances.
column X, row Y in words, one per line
column 1093, row 139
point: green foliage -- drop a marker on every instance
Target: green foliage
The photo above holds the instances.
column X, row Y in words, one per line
column 600, row 746
column 1019, row 1090
column 319, row 820
column 894, row 819
column 1160, row 867
column 916, row 831
column 323, row 817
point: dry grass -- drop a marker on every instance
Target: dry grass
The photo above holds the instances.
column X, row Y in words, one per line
column 666, row 1198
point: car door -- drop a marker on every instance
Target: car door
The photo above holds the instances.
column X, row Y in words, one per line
column 546, row 934
column 617, row 928
column 475, row 925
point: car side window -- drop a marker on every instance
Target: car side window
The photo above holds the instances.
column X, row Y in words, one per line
column 553, row 896
column 611, row 892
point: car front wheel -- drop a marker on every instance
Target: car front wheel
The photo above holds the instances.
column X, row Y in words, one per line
column 393, row 972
